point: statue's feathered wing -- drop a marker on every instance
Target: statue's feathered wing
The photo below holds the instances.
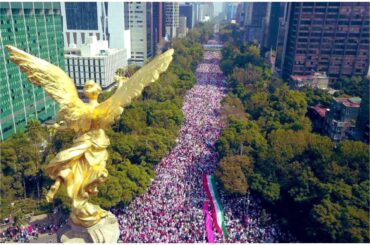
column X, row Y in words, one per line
column 111, row 109
column 75, row 113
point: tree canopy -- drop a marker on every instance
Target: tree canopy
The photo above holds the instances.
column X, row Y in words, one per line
column 319, row 189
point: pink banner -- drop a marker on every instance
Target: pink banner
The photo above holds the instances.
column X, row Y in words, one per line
column 208, row 223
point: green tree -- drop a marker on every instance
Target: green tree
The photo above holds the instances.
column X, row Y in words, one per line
column 110, row 194
column 355, row 222
column 320, row 189
column 355, row 155
column 127, row 71
column 232, row 106
column 257, row 103
column 327, row 215
column 38, row 136
column 134, row 119
column 267, row 189
column 352, row 86
column 25, row 167
column 254, row 50
column 232, row 172
column 317, row 96
column 242, row 138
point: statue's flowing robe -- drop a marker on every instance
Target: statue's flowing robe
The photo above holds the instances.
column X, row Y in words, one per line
column 82, row 167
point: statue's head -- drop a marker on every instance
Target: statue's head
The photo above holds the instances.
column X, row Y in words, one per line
column 92, row 90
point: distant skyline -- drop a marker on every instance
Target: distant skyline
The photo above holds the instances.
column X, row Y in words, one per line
column 217, row 8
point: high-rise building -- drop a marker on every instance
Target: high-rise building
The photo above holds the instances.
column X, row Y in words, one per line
column 247, row 10
column 196, row 12
column 240, row 15
column 118, row 27
column 158, row 25
column 277, row 11
column 206, row 11
column 362, row 122
column 230, row 9
column 187, row 11
column 331, row 37
column 282, row 33
column 202, row 12
column 83, row 19
column 142, row 36
column 182, row 30
column 257, row 24
column 94, row 61
column 37, row 29
column 171, row 12
column 104, row 20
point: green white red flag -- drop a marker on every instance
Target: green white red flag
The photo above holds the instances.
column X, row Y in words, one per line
column 217, row 209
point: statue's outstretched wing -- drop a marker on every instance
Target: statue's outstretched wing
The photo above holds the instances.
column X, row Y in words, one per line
column 111, row 109
column 57, row 84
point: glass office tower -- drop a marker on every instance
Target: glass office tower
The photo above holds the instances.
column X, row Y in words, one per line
column 37, row 29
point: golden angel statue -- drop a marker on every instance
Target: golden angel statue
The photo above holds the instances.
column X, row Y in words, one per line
column 82, row 167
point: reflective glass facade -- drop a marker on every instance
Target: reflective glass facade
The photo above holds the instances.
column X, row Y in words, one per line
column 81, row 15
column 187, row 11
column 35, row 28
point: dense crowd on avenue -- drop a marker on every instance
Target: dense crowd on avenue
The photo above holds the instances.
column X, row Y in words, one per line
column 171, row 209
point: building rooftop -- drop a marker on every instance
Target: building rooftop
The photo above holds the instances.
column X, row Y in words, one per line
column 320, row 110
column 315, row 75
column 92, row 48
column 349, row 102
column 300, row 77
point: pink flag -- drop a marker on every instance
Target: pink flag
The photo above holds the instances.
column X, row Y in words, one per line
column 208, row 223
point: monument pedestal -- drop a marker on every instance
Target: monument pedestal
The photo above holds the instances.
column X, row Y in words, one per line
column 106, row 231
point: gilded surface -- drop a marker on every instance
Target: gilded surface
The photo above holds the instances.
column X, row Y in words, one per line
column 81, row 168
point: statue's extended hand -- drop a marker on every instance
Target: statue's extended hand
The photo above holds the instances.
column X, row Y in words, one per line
column 53, row 190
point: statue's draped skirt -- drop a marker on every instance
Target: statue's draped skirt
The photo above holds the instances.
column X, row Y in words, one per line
column 82, row 167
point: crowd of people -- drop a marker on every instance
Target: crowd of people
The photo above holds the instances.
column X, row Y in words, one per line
column 171, row 209
column 26, row 233
column 248, row 222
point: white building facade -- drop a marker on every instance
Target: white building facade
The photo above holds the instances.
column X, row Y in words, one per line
column 182, row 30
column 94, row 61
column 172, row 13
column 141, row 26
column 107, row 21
column 119, row 35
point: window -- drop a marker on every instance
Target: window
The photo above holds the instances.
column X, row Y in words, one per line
column 317, row 22
column 81, row 15
column 320, row 10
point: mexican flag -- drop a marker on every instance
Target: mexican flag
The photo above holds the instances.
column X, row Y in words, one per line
column 217, row 209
